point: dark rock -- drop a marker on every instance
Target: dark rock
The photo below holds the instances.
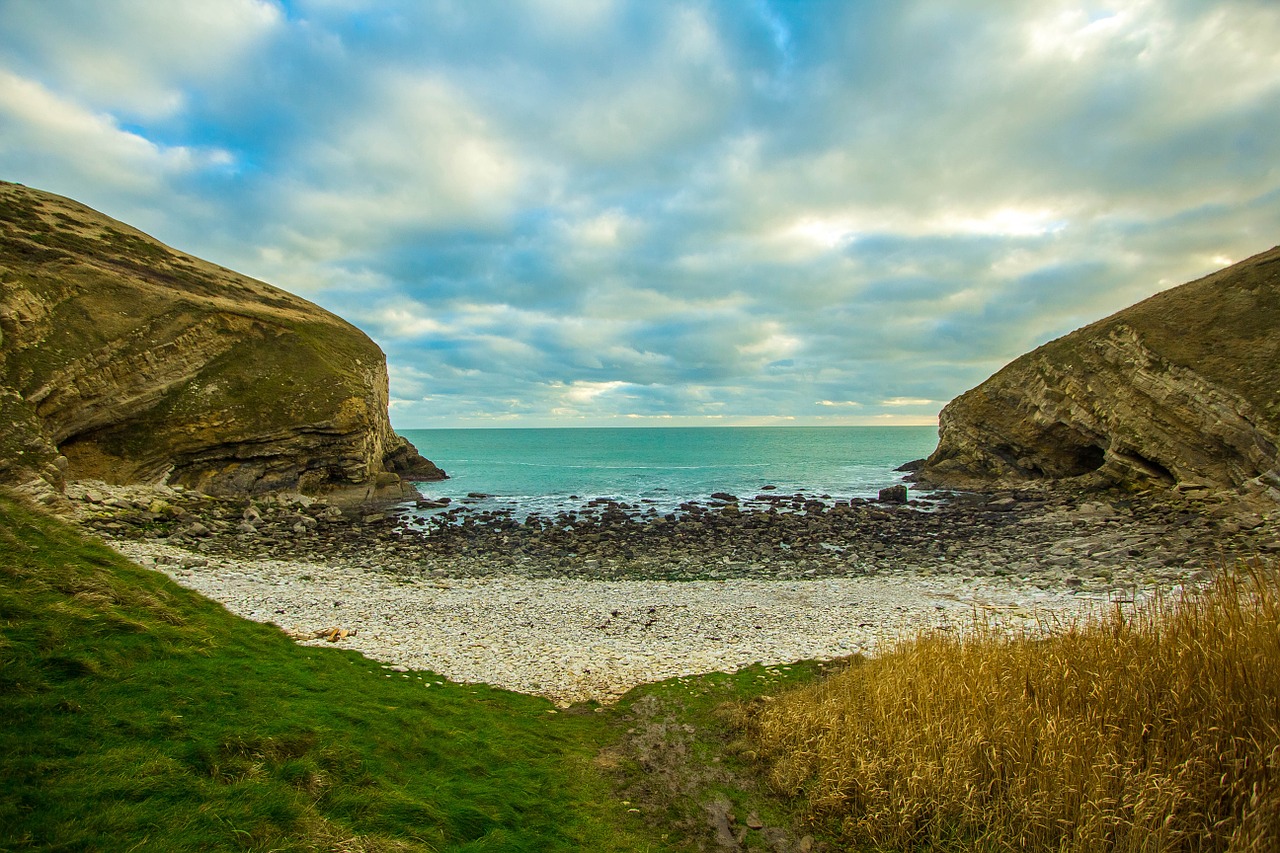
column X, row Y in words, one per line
column 403, row 459
column 785, row 538
column 893, row 494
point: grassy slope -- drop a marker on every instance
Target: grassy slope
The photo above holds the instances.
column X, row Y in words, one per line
column 138, row 712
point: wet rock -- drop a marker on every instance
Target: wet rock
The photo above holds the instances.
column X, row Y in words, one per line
column 893, row 494
column 1046, row 538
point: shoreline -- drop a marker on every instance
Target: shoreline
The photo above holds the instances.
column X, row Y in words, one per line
column 586, row 606
column 572, row 640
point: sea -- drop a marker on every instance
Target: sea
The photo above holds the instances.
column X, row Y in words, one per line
column 547, row 471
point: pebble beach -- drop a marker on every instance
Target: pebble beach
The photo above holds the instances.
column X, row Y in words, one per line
column 586, row 606
column 574, row 640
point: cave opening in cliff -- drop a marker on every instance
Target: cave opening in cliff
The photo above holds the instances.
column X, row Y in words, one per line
column 1084, row 459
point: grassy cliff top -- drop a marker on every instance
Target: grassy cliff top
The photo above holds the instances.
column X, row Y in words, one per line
column 44, row 231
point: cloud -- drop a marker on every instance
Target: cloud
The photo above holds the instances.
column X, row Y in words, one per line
column 133, row 57
column 45, row 133
column 415, row 156
column 621, row 211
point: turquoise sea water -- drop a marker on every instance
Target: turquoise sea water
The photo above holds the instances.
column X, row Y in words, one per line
column 549, row 470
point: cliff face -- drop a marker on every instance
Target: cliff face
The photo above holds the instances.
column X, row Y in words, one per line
column 1182, row 388
column 124, row 360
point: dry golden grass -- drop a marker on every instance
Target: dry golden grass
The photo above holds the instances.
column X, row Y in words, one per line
column 1155, row 729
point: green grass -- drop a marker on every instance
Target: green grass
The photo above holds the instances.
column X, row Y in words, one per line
column 679, row 757
column 138, row 715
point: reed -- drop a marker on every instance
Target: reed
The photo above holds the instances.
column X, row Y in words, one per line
column 1147, row 728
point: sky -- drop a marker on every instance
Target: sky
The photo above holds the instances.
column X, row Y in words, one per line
column 651, row 213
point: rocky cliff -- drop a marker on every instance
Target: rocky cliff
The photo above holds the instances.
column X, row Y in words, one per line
column 1181, row 389
column 124, row 360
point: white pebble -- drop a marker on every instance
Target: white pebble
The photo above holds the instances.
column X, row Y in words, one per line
column 559, row 638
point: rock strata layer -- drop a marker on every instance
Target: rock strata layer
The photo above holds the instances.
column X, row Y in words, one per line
column 124, row 360
column 1182, row 389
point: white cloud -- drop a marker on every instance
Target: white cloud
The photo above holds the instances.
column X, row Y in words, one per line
column 583, row 393
column 602, row 230
column 1074, row 33
column 416, row 155
column 676, row 211
column 677, row 94
column 55, row 135
column 135, row 57
column 403, row 321
column 1003, row 222
column 768, row 342
column 569, row 20
column 907, row 401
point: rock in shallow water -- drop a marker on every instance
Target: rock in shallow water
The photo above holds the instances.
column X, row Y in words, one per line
column 893, row 494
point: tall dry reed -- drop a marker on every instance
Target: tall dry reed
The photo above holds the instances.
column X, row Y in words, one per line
column 1147, row 729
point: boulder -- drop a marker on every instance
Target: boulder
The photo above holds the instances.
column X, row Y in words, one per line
column 893, row 494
